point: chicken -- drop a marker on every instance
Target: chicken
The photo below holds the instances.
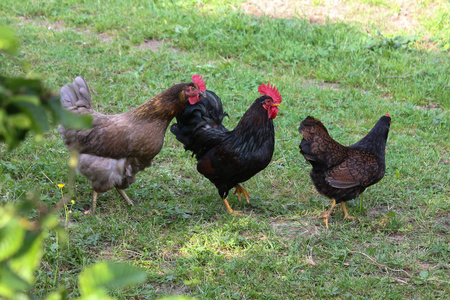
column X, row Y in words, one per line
column 228, row 158
column 342, row 173
column 117, row 147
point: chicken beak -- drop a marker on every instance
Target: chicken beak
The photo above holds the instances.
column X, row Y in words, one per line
column 202, row 94
column 277, row 104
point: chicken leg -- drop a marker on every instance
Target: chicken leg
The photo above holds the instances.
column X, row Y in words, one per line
column 239, row 190
column 326, row 214
column 346, row 216
column 230, row 210
column 125, row 196
column 94, row 204
column 94, row 201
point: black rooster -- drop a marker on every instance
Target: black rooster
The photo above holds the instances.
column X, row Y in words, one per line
column 225, row 157
column 342, row 173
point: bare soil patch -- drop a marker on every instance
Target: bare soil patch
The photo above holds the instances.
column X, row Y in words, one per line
column 388, row 15
column 429, row 106
column 58, row 26
column 152, row 45
column 321, row 84
column 293, row 229
column 155, row 46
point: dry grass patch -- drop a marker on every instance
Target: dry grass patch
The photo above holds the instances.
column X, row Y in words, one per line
column 156, row 45
column 153, row 45
column 321, row 84
column 59, row 26
column 388, row 15
column 293, row 229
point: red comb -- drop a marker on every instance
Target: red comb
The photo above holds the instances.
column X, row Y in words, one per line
column 387, row 115
column 197, row 79
column 271, row 91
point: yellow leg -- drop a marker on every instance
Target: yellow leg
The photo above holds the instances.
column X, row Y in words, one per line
column 125, row 196
column 326, row 214
column 230, row 210
column 346, row 216
column 94, row 204
column 239, row 190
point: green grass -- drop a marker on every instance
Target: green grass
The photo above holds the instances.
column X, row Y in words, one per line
column 179, row 231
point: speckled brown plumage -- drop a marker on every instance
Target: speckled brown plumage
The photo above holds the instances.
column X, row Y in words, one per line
column 116, row 147
column 342, row 173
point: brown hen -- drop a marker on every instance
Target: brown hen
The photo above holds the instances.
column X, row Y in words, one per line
column 117, row 147
column 342, row 173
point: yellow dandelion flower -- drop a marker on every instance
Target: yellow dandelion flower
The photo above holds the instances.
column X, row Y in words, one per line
column 70, row 211
column 73, row 201
column 61, row 185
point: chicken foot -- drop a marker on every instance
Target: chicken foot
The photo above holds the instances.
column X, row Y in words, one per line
column 125, row 196
column 230, row 210
column 94, row 201
column 94, row 204
column 239, row 190
column 326, row 214
column 346, row 216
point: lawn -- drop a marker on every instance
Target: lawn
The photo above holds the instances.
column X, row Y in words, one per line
column 347, row 65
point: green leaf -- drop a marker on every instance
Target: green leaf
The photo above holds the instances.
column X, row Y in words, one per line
column 67, row 118
column 97, row 296
column 61, row 294
column 102, row 276
column 177, row 298
column 75, row 121
column 25, row 262
column 37, row 115
column 32, row 99
column 8, row 41
column 11, row 237
column 10, row 283
column 21, row 121
column 50, row 221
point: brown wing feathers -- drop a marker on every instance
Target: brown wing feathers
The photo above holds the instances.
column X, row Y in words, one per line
column 317, row 145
